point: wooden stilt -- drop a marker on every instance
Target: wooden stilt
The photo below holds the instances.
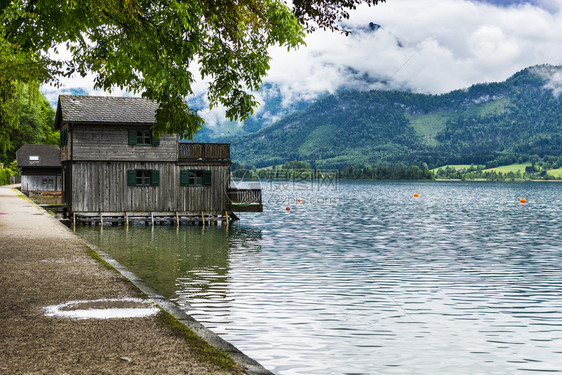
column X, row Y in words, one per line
column 203, row 218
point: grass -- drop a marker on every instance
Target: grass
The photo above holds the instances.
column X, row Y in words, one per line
column 454, row 166
column 94, row 255
column 503, row 169
column 509, row 168
column 427, row 126
column 200, row 347
column 489, row 108
column 556, row 172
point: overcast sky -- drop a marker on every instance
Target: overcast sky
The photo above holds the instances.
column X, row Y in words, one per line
column 426, row 46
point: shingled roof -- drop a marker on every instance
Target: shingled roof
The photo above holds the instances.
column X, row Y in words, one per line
column 38, row 156
column 83, row 109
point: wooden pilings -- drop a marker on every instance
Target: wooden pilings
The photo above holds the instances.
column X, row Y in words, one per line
column 151, row 218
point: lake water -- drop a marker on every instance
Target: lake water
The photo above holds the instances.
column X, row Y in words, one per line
column 363, row 278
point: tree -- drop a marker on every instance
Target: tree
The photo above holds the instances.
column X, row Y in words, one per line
column 20, row 75
column 35, row 124
column 326, row 14
column 153, row 47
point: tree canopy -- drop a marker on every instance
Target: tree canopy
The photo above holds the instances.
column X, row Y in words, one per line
column 35, row 123
column 154, row 47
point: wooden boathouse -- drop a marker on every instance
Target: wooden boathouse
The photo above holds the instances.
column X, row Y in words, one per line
column 114, row 170
column 40, row 168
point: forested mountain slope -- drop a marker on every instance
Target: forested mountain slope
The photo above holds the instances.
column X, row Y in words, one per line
column 486, row 123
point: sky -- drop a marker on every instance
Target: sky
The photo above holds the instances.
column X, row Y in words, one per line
column 424, row 46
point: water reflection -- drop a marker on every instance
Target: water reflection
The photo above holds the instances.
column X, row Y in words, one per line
column 170, row 258
column 367, row 279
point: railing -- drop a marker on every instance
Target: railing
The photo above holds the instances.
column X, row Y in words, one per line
column 245, row 200
column 203, row 151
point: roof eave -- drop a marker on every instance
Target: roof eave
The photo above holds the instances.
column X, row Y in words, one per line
column 122, row 124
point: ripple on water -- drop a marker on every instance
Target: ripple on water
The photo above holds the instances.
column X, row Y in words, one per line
column 364, row 279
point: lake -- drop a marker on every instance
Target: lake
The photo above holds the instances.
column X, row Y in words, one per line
column 365, row 278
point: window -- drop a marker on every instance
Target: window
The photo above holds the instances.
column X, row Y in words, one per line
column 142, row 137
column 33, row 158
column 63, row 137
column 195, row 177
column 143, row 177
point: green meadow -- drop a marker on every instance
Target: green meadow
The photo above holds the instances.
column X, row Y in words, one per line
column 509, row 168
column 504, row 169
column 454, row 166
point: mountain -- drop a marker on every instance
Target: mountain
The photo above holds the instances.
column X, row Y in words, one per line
column 273, row 108
column 484, row 124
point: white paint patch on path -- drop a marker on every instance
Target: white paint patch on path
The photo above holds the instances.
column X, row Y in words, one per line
column 108, row 308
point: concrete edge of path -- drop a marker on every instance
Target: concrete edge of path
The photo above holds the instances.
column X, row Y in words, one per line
column 252, row 366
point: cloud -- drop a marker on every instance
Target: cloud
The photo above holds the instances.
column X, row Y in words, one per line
column 491, row 44
column 555, row 84
column 425, row 46
column 553, row 77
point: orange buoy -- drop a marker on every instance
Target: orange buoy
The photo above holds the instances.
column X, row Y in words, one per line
column 299, row 200
column 416, row 195
column 523, row 200
column 288, row 208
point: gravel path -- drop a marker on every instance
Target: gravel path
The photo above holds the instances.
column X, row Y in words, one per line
column 42, row 263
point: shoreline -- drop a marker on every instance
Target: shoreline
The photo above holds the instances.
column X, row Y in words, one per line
column 252, row 366
column 45, row 263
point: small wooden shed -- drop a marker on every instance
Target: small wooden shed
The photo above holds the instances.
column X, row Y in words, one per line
column 40, row 168
column 112, row 164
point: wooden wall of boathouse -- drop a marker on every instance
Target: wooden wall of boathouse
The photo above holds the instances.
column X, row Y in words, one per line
column 103, row 187
column 110, row 143
column 41, row 179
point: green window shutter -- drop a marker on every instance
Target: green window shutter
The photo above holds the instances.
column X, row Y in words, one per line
column 154, row 178
column 132, row 136
column 207, row 178
column 155, row 141
column 131, row 177
column 184, row 178
column 63, row 138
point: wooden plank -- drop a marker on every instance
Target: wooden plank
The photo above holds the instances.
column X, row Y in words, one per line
column 110, row 143
column 102, row 186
